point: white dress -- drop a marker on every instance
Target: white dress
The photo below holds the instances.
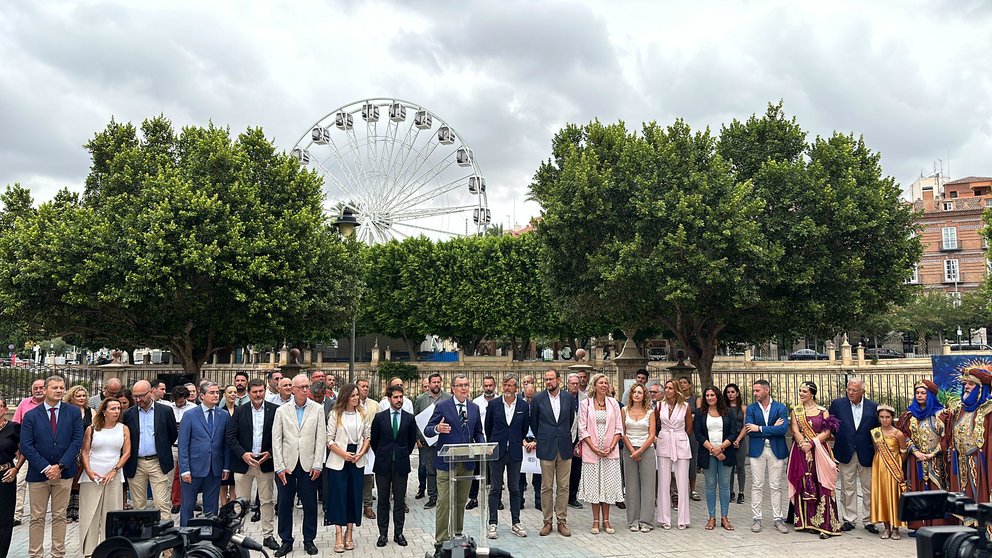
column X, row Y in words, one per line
column 95, row 499
column 602, row 480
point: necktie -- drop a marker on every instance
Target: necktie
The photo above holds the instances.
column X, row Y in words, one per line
column 461, row 412
column 396, row 424
column 52, row 411
column 210, row 421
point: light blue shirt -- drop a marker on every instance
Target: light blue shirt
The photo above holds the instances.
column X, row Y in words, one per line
column 857, row 411
column 57, row 407
column 299, row 412
column 146, row 439
column 257, row 427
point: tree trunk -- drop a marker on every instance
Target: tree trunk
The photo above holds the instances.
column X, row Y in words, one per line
column 410, row 346
column 699, row 342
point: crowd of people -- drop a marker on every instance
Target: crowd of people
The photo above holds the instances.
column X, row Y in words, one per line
column 288, row 442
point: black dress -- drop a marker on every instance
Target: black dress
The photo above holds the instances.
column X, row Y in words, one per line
column 10, row 436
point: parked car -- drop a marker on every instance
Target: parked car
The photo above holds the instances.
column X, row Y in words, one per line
column 807, row 354
column 883, row 353
column 961, row 347
column 657, row 353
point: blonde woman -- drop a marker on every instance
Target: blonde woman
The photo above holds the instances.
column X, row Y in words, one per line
column 674, row 454
column 77, row 397
column 639, row 458
column 348, row 433
column 229, row 403
column 600, row 431
column 106, row 448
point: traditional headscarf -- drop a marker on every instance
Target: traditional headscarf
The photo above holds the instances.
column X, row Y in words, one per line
column 980, row 394
column 933, row 405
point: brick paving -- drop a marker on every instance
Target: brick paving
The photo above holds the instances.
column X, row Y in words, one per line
column 694, row 542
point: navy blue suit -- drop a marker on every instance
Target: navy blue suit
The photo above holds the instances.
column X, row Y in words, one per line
column 392, row 465
column 41, row 448
column 203, row 453
column 774, row 434
column 510, row 453
column 460, row 433
column 554, row 438
column 849, row 440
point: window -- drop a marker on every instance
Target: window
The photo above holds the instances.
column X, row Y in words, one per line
column 949, row 236
column 988, row 202
column 915, row 277
column 954, row 195
column 947, row 206
column 955, row 298
column 952, row 273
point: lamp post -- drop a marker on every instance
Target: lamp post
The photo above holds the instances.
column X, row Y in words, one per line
column 347, row 223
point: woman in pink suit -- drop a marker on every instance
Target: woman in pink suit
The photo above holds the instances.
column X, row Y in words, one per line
column 600, row 431
column 674, row 430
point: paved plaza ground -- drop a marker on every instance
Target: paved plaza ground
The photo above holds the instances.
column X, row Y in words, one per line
column 695, row 541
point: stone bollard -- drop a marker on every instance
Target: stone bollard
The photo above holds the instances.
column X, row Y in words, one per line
column 831, row 352
column 861, row 354
column 946, row 348
column 845, row 352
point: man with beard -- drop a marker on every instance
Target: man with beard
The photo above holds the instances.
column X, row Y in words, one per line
column 551, row 418
column 432, row 396
column 241, row 385
column 971, row 430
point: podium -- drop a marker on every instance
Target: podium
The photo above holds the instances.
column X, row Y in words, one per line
column 462, row 454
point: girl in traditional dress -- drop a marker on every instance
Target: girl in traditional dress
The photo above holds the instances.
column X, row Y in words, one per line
column 812, row 470
column 887, row 480
column 925, row 426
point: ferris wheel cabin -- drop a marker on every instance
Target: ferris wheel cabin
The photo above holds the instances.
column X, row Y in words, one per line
column 320, row 135
column 422, row 120
column 481, row 216
column 301, row 155
column 397, row 112
column 370, row 112
column 344, row 121
column 464, row 157
column 477, row 185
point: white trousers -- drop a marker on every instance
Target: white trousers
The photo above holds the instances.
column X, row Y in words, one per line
column 767, row 466
column 850, row 474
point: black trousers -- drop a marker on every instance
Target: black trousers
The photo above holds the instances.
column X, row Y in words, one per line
column 297, row 482
column 391, row 484
column 574, row 479
column 7, row 494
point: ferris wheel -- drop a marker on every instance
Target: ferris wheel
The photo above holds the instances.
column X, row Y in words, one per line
column 399, row 169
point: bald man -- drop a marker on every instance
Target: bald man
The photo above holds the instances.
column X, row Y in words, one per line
column 110, row 389
column 153, row 432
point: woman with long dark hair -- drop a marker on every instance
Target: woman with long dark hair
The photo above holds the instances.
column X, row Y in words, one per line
column 716, row 430
column 734, row 400
column 812, row 469
column 10, row 438
column 348, row 438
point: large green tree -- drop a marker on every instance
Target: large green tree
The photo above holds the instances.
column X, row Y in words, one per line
column 192, row 241
column 752, row 234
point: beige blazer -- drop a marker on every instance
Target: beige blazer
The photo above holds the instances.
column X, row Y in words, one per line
column 293, row 442
column 339, row 437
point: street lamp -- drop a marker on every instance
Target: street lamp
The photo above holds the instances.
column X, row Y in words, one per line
column 347, row 223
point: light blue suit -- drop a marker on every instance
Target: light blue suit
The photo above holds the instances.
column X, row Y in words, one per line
column 202, row 453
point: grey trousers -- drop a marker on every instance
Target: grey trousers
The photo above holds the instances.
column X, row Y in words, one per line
column 641, row 481
column 427, row 454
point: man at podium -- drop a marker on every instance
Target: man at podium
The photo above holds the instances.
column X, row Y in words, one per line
column 455, row 421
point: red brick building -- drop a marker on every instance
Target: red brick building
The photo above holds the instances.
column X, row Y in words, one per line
column 955, row 255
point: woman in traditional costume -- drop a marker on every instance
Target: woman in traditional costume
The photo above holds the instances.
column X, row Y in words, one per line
column 887, row 479
column 925, row 426
column 812, row 469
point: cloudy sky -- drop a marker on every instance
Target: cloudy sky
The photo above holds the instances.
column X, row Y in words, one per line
column 914, row 77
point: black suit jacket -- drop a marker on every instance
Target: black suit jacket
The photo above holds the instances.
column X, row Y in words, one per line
column 384, row 444
column 848, row 440
column 239, row 436
column 166, row 433
column 509, row 437
column 730, row 431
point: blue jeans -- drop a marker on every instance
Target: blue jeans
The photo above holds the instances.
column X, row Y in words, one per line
column 717, row 475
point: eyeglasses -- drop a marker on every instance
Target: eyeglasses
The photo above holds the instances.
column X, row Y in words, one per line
column 461, row 385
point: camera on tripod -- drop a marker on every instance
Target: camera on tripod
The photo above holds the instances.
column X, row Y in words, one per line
column 140, row 534
column 950, row 541
column 463, row 546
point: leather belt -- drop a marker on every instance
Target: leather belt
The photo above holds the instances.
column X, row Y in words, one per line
column 146, row 457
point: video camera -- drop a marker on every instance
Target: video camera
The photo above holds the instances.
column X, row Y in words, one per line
column 948, row 541
column 140, row 534
column 462, row 546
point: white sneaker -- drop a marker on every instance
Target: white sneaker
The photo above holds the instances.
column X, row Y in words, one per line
column 518, row 530
column 634, row 528
column 491, row 532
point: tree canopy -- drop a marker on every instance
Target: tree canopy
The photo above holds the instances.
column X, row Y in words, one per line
column 193, row 241
column 746, row 235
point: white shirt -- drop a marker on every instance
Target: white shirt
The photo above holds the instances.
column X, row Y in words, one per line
column 509, row 409
column 257, row 427
column 857, row 411
column 483, row 404
column 276, row 399
column 766, row 411
column 180, row 411
column 555, row 403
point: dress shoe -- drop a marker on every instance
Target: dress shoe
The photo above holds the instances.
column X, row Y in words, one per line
column 17, row 522
column 256, row 517
column 472, row 504
column 285, row 549
column 310, row 548
column 871, row 528
column 621, row 506
column 537, row 506
column 420, row 494
column 270, row 543
column 381, row 541
column 175, row 509
column 327, row 522
column 430, row 504
column 400, row 540
column 198, row 508
column 575, row 504
column 740, row 498
column 847, row 526
column 369, row 514
column 500, row 507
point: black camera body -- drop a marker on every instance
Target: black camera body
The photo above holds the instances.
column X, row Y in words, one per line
column 950, row 541
column 139, row 534
column 463, row 546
